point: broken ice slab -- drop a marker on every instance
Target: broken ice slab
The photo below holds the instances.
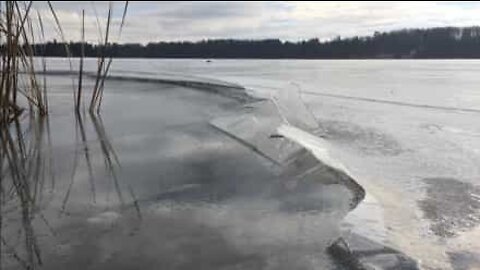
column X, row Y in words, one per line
column 255, row 127
column 293, row 109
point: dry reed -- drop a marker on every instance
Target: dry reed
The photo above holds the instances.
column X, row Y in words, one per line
column 26, row 159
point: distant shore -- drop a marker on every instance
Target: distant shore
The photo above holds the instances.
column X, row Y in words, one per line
column 433, row 43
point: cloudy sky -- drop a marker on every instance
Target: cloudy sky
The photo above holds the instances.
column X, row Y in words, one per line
column 168, row 21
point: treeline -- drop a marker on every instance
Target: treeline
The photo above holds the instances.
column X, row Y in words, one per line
column 446, row 42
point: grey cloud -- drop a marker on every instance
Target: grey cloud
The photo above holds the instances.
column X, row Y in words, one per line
column 212, row 10
column 155, row 21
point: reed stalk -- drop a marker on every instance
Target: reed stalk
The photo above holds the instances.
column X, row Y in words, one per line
column 103, row 68
column 80, row 72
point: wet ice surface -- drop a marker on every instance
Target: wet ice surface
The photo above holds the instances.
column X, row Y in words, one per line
column 368, row 141
column 391, row 151
column 452, row 206
column 441, row 83
column 397, row 126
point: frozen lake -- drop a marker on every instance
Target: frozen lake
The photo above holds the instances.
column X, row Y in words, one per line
column 187, row 194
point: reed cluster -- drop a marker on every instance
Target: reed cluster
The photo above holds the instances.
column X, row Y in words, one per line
column 20, row 87
column 26, row 159
column 18, row 74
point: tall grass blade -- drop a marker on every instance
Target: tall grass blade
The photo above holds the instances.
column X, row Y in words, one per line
column 94, row 104
column 80, row 73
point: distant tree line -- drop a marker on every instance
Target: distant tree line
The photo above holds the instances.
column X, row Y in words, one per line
column 446, row 42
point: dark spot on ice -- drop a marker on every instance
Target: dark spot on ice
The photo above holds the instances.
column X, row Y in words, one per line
column 274, row 136
column 451, row 205
column 464, row 260
column 356, row 252
column 368, row 141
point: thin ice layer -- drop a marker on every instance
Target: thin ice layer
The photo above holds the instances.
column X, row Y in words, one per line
column 256, row 128
column 293, row 110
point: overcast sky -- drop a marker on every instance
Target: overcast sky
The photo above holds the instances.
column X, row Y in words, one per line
column 169, row 21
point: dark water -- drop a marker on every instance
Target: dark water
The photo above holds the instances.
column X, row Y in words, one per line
column 150, row 184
